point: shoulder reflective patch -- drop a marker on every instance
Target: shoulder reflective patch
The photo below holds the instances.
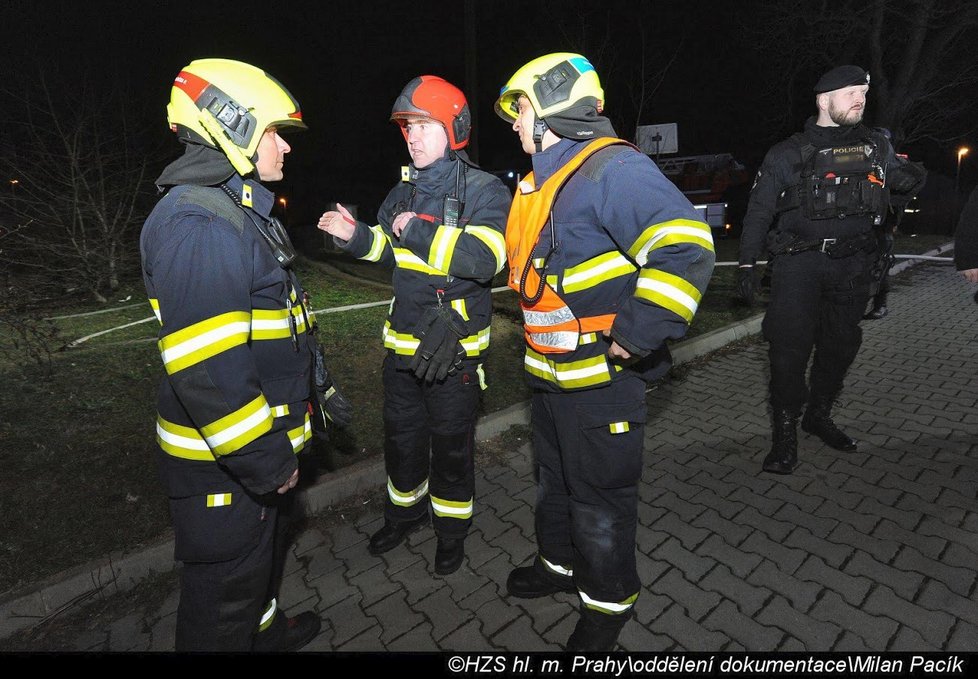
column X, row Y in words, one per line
column 246, row 198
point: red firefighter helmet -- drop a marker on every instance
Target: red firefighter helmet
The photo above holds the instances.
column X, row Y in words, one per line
column 432, row 97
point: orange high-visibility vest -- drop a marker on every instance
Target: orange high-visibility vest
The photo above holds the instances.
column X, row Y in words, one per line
column 549, row 325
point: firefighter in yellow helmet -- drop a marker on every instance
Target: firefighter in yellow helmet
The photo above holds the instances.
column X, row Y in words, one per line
column 239, row 359
column 610, row 261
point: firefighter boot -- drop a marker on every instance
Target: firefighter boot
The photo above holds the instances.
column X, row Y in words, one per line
column 879, row 309
column 783, row 457
column 393, row 533
column 287, row 634
column 449, row 555
column 818, row 421
column 534, row 581
column 596, row 631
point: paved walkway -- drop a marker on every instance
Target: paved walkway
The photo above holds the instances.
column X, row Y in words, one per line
column 875, row 550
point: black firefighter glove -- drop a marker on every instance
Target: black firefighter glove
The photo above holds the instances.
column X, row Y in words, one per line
column 333, row 406
column 747, row 284
column 440, row 352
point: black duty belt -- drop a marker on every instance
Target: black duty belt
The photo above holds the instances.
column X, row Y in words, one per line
column 833, row 247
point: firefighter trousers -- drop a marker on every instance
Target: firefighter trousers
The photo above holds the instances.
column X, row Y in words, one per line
column 429, row 442
column 588, row 456
column 816, row 302
column 233, row 556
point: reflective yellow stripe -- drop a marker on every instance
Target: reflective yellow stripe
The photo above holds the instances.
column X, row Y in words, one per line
column 246, row 195
column 618, row 427
column 589, row 338
column 405, row 344
column 155, row 304
column 669, row 291
column 596, row 270
column 219, row 500
column 443, row 247
column 482, row 377
column 200, row 341
column 459, row 306
column 538, row 262
column 280, row 411
column 300, row 435
column 609, row 607
column 269, row 324
column 408, row 499
column 267, row 616
column 493, row 239
column 182, row 442
column 670, row 233
column 377, row 245
column 408, row 260
column 451, row 509
column 588, row 372
column 559, row 570
column 244, row 425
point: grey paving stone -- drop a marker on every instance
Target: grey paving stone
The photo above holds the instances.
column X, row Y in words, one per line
column 332, row 588
column 815, row 525
column 850, row 643
column 959, row 580
column 907, row 639
column 964, row 637
column 689, row 535
column 356, row 559
column 468, row 637
column 831, row 552
column 396, row 618
column 874, row 630
column 724, row 507
column 732, row 533
column 813, row 634
column 444, row 614
column 693, row 567
column 477, row 550
column 933, row 513
column 417, row 581
column 163, row 635
column 882, row 550
column 696, row 602
column 128, row 634
column 489, row 525
column 862, row 521
column 886, row 496
column 515, row 544
column 921, row 489
column 771, row 527
column 798, row 498
column 671, row 481
column 852, row 589
column 519, row 635
column 673, row 504
column 502, row 500
column 365, row 642
column 739, row 562
column 930, row 546
column 319, row 561
column 748, row 599
column 824, row 488
column 650, row 606
column 648, row 540
column 91, row 640
column 637, row 638
column 496, row 613
column 687, row 633
column 933, row 626
column 871, row 507
column 348, row 620
column 309, row 539
column 801, row 594
column 649, row 569
column 418, row 639
column 522, row 518
column 344, row 536
column 731, row 622
column 788, row 559
column 936, row 596
column 933, row 526
column 294, row 589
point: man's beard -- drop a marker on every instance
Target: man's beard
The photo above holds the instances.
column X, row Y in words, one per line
column 846, row 117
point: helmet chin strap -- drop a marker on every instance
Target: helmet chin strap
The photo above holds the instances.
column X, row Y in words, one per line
column 539, row 128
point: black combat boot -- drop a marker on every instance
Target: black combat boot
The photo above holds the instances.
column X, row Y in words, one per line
column 596, row 631
column 534, row 581
column 783, row 457
column 818, row 421
column 879, row 309
column 287, row 634
column 449, row 555
column 393, row 533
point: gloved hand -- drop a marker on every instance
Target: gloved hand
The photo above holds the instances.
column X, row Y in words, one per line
column 747, row 284
column 440, row 353
column 333, row 406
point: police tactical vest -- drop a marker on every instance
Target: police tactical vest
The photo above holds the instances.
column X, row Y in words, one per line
column 838, row 181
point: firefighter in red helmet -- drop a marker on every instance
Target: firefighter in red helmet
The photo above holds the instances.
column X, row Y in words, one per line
column 441, row 229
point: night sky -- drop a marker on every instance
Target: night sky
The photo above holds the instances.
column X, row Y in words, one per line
column 346, row 62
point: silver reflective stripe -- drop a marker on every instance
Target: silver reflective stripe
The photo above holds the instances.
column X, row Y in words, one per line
column 557, row 569
column 558, row 340
column 609, row 606
column 561, row 315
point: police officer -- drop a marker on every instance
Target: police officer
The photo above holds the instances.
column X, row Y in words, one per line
column 609, row 260
column 234, row 404
column 441, row 228
column 824, row 190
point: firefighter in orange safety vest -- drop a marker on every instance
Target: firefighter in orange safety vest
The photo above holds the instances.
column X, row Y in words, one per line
column 610, row 261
